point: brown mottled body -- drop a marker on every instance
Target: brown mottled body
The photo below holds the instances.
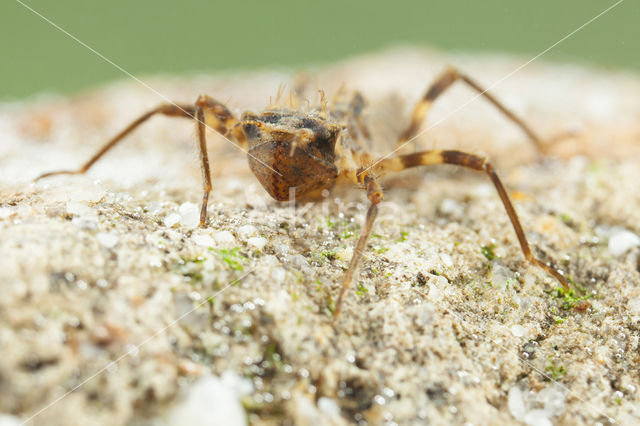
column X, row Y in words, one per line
column 295, row 153
column 291, row 152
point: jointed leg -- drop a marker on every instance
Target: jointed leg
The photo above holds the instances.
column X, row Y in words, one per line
column 349, row 107
column 186, row 111
column 476, row 163
column 204, row 159
column 220, row 119
column 374, row 193
column 210, row 113
column 217, row 116
column 357, row 106
column 446, row 79
column 207, row 112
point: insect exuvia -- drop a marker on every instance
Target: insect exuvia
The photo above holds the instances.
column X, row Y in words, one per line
column 298, row 152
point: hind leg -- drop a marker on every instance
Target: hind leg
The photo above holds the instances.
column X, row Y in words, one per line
column 442, row 83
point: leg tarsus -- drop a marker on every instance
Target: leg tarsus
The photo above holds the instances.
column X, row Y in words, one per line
column 203, row 209
column 59, row 172
column 550, row 270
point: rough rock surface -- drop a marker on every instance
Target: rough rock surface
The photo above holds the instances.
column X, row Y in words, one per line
column 114, row 307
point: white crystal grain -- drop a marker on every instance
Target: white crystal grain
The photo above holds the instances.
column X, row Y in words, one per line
column 203, row 240
column 515, row 403
column 518, row 330
column 107, row 239
column 171, row 219
column 225, row 239
column 622, row 240
column 189, row 215
column 328, row 406
column 257, row 243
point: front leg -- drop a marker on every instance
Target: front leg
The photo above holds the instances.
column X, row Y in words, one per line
column 223, row 121
column 171, row 110
column 207, row 112
column 374, row 193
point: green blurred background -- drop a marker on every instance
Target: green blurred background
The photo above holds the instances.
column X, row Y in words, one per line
column 148, row 37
